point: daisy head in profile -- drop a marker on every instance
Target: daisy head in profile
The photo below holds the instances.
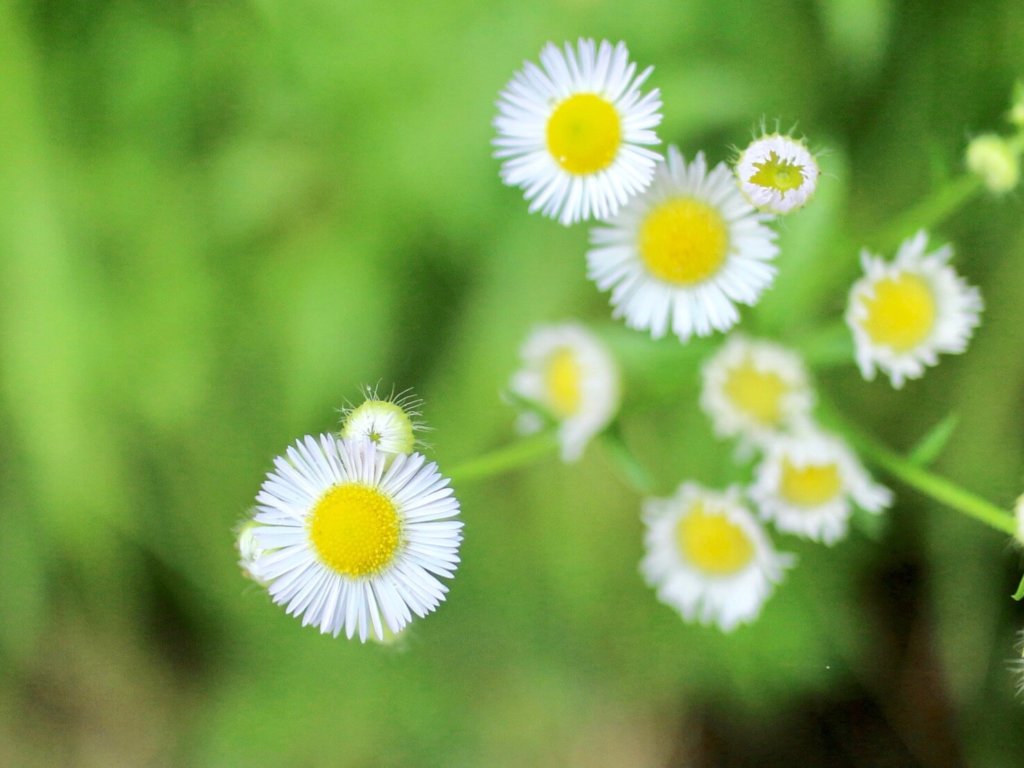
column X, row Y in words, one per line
column 349, row 541
column 708, row 557
column 904, row 313
column 572, row 378
column 390, row 423
column 755, row 390
column 808, row 483
column 682, row 255
column 777, row 173
column 573, row 132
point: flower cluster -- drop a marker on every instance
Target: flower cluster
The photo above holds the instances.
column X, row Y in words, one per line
column 353, row 531
column 681, row 245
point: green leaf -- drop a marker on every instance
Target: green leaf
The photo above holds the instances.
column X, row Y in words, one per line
column 931, row 445
column 1019, row 594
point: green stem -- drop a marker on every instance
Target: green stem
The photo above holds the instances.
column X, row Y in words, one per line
column 509, row 457
column 930, row 211
column 939, row 488
column 636, row 473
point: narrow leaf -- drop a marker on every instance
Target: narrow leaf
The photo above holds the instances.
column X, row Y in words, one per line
column 931, row 445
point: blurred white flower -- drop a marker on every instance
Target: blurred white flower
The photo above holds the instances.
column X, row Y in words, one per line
column 571, row 375
column 807, row 485
column 708, row 557
column 905, row 313
column 755, row 390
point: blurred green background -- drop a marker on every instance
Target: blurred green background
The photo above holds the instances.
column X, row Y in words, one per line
column 219, row 219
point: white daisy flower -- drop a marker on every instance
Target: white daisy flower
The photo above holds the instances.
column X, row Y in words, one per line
column 390, row 423
column 680, row 256
column 708, row 557
column 569, row 373
column 570, row 132
column 904, row 313
column 777, row 173
column 350, row 542
column 807, row 485
column 755, row 390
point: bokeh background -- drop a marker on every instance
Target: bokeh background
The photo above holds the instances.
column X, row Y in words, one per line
column 219, row 219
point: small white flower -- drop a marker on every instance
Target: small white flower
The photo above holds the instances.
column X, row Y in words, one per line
column 708, row 557
column 755, row 390
column 570, row 132
column 569, row 373
column 777, row 173
column 904, row 313
column 346, row 540
column 808, row 482
column 680, row 256
column 390, row 423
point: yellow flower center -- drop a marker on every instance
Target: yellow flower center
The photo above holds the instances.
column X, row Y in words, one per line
column 562, row 383
column 778, row 174
column 684, row 241
column 757, row 393
column 901, row 314
column 355, row 529
column 712, row 543
column 584, row 133
column 810, row 485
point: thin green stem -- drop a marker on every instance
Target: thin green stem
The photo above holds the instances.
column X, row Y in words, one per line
column 928, row 212
column 635, row 473
column 518, row 454
column 938, row 488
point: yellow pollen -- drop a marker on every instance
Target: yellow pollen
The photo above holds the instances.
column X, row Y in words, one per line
column 713, row 543
column 810, row 485
column 562, row 383
column 901, row 314
column 757, row 393
column 355, row 529
column 584, row 133
column 683, row 241
column 778, row 174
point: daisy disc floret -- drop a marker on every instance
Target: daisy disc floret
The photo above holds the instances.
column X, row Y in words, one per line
column 681, row 256
column 807, row 485
column 347, row 540
column 755, row 390
column 573, row 378
column 390, row 423
column 572, row 132
column 905, row 313
column 708, row 557
column 777, row 173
